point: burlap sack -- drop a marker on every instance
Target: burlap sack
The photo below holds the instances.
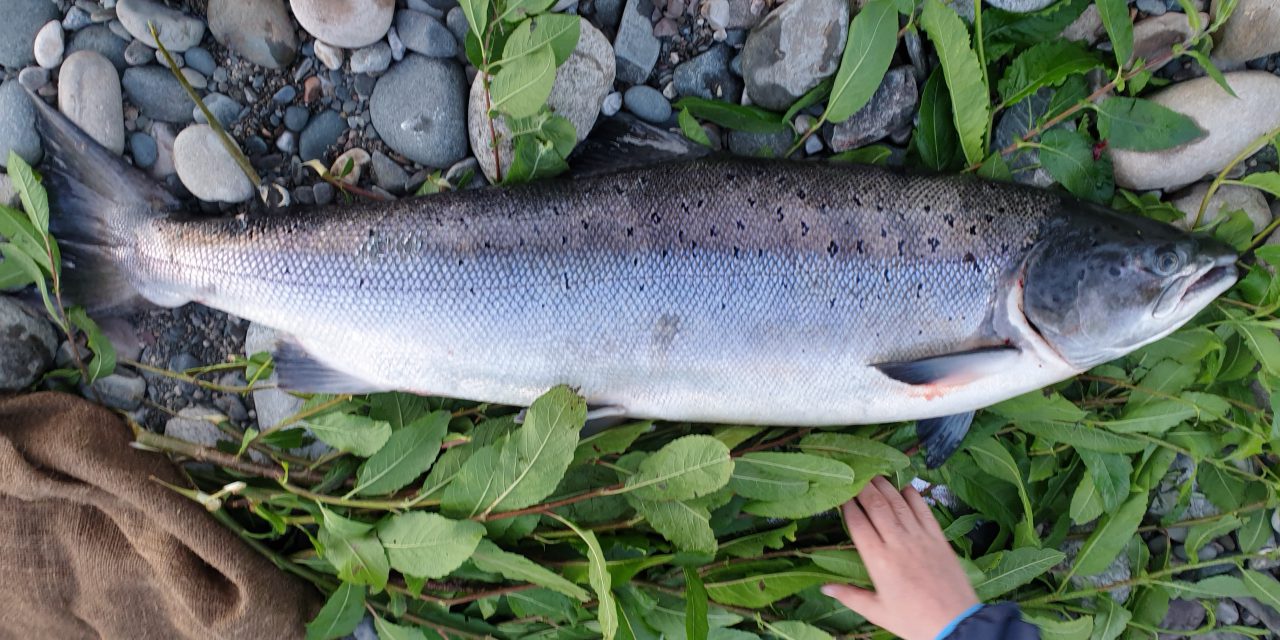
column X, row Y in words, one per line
column 90, row 548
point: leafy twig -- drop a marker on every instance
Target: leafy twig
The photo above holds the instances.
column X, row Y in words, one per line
column 151, row 440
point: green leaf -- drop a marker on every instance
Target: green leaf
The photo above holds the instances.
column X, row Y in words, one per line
column 104, row 353
column 355, row 434
column 993, row 458
column 358, row 559
column 1157, row 416
column 685, row 468
column 488, row 557
column 1224, row 490
column 1255, row 532
column 396, row 408
column 389, row 631
column 407, row 454
column 558, row 30
column 1268, row 181
column 1047, row 64
column 516, row 10
column 1084, row 437
column 731, row 116
column 477, row 14
column 1031, row 28
column 1143, row 125
column 752, row 545
column 868, row 458
column 523, row 467
column 1263, row 343
column 1263, row 587
column 598, row 575
column 34, row 199
column 935, row 136
column 695, row 612
column 794, row 630
column 762, row 589
column 534, row 159
column 340, row 615
column 428, row 545
column 1073, row 629
column 1110, row 537
column 16, row 227
column 691, row 129
column 522, row 86
column 1201, row 534
column 19, row 258
column 1016, row 568
column 810, row 98
column 1086, row 502
column 873, row 37
column 876, row 154
column 1110, row 473
column 1115, row 18
column 688, row 526
column 791, row 485
column 1213, row 71
column 1068, row 156
column 969, row 94
column 1111, row 620
column 1215, row 587
column 611, row 440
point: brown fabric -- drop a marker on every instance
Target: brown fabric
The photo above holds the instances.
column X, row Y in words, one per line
column 89, row 547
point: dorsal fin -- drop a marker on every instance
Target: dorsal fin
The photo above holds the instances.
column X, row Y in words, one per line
column 624, row 142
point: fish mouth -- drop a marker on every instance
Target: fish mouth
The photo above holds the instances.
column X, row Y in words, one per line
column 1194, row 290
column 1212, row 279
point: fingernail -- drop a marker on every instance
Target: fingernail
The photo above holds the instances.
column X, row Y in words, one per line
column 828, row 590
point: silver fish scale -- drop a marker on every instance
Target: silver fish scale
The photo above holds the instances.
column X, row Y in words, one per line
column 716, row 290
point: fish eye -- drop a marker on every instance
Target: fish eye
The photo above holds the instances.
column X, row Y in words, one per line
column 1167, row 261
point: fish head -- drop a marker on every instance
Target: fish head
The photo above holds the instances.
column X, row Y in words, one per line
column 1102, row 284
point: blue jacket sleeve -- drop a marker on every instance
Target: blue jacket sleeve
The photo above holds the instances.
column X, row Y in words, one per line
column 991, row 622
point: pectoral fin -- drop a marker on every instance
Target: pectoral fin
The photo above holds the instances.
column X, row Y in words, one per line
column 298, row 370
column 942, row 436
column 952, row 368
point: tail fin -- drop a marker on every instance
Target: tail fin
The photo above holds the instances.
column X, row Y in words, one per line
column 97, row 203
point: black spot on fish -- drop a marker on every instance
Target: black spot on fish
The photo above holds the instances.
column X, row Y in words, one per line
column 656, row 218
column 564, row 240
column 884, row 233
column 900, row 244
column 735, row 252
column 741, row 227
column 831, row 304
column 685, row 206
column 800, row 194
column 566, row 281
column 928, row 208
column 832, row 249
column 804, row 229
column 585, row 225
column 751, row 201
column 1114, row 271
column 631, row 231
column 701, row 202
column 933, row 244
column 857, row 201
column 617, row 188
column 950, row 220
column 781, row 216
column 859, row 246
column 886, row 275
column 968, row 258
column 713, row 231
column 989, row 218
column 973, row 231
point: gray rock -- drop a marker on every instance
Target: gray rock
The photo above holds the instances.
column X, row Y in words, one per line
column 296, row 117
column 608, row 13
column 708, row 76
column 320, row 133
column 323, row 193
column 1262, row 612
column 120, row 390
column 1087, row 28
column 27, row 345
column 118, row 28
column 456, row 20
column 1183, row 615
column 613, row 103
column 258, row 30
column 138, row 54
column 178, row 31
column 226, row 110
column 397, row 46
column 100, row 38
column 200, row 60
column 284, row 95
column 1252, row 31
column 33, row 78
column 287, row 143
column 635, row 46
column 328, row 55
column 164, row 135
column 273, row 405
column 793, row 49
column 76, row 19
column 194, row 78
column 198, row 425
column 8, row 195
column 206, row 169
column 387, row 174
column 22, row 21
column 49, row 45
column 1119, row 570
column 428, row 127
column 1226, row 198
column 157, row 94
column 374, row 58
column 744, row 14
column 426, row 35
column 581, row 85
column 647, row 103
column 1226, row 612
column 890, row 108
column 1230, row 123
column 17, row 125
column 143, row 149
column 1020, row 6
column 1152, row 7
column 760, row 145
column 89, row 95
column 1156, row 36
column 345, row 23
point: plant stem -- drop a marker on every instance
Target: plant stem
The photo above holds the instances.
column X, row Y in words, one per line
column 1145, row 579
column 1249, row 150
column 192, row 379
column 199, row 453
column 223, row 137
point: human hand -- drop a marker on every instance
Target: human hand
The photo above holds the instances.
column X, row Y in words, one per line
column 920, row 586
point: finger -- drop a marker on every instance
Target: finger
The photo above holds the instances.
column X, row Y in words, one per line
column 924, row 516
column 863, row 602
column 864, row 535
column 897, row 507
